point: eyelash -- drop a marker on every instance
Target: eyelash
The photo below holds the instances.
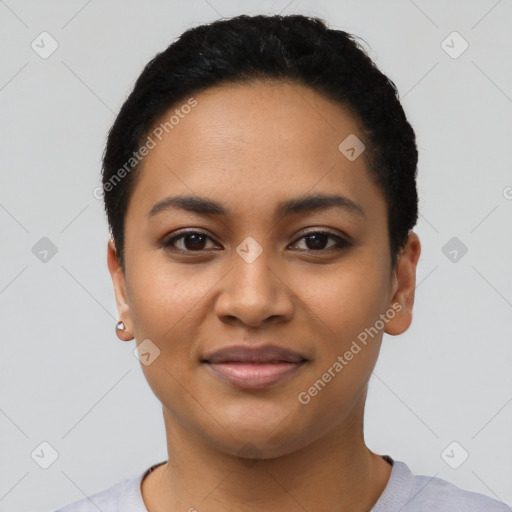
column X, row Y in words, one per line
column 341, row 243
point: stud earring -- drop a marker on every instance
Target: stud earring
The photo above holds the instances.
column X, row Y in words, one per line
column 121, row 332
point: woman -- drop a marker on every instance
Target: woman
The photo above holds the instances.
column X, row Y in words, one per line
column 260, row 187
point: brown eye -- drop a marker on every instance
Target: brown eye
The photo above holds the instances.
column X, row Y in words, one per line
column 317, row 241
column 191, row 241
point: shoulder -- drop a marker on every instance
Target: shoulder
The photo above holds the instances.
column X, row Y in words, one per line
column 418, row 493
column 436, row 494
column 105, row 501
column 124, row 495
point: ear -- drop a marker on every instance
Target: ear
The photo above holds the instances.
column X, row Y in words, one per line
column 119, row 282
column 404, row 285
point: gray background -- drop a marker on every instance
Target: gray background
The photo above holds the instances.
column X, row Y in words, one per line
column 65, row 378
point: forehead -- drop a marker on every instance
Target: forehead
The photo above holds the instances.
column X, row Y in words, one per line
column 257, row 119
column 255, row 140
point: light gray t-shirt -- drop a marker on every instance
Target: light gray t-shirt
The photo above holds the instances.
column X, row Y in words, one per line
column 403, row 493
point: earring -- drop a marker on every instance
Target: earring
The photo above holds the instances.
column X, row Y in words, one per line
column 121, row 332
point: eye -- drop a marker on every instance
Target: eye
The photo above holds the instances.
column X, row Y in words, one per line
column 190, row 241
column 316, row 240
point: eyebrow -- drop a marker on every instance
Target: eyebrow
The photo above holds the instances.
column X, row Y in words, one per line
column 304, row 204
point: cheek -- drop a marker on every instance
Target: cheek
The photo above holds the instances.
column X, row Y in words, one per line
column 166, row 297
column 345, row 304
column 168, row 308
column 344, row 300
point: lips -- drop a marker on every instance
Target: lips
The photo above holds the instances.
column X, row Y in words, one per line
column 265, row 354
column 254, row 367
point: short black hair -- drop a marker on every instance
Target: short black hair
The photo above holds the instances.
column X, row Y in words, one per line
column 293, row 48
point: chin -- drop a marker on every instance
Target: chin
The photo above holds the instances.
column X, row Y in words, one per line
column 264, row 433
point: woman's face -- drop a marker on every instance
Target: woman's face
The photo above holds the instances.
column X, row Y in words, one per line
column 254, row 270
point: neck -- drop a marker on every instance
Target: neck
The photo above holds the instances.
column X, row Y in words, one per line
column 336, row 472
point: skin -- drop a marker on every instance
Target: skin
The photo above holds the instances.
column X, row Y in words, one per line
column 250, row 146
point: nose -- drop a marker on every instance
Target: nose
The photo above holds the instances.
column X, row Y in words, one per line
column 253, row 293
